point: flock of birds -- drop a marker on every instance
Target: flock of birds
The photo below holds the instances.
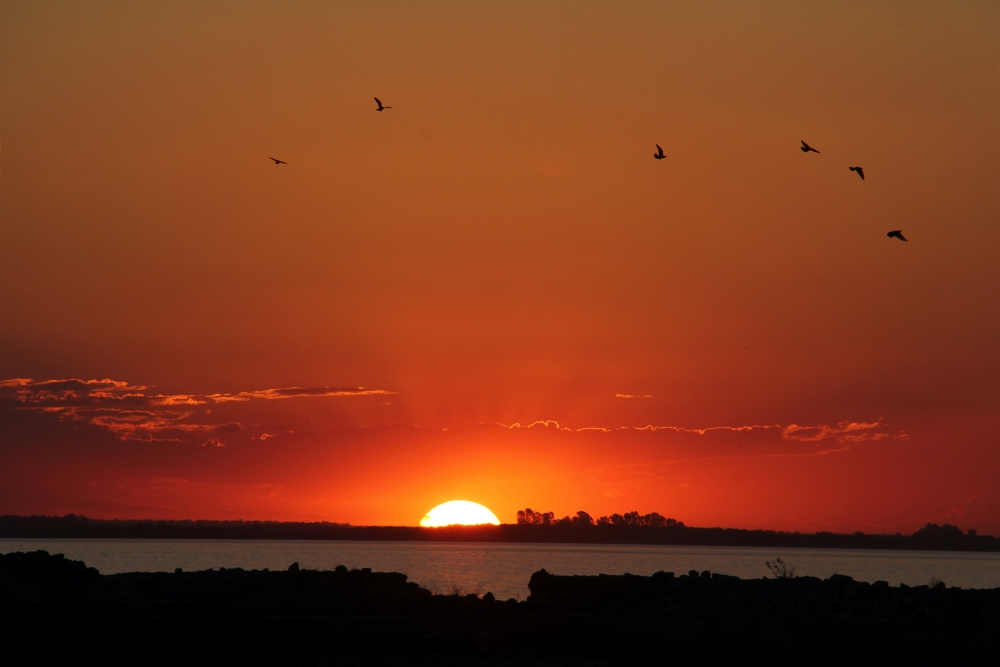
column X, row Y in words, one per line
column 659, row 155
column 806, row 148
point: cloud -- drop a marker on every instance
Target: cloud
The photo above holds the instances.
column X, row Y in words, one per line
column 842, row 432
column 298, row 392
column 822, row 438
column 212, row 442
column 705, row 431
column 132, row 412
column 15, row 382
column 228, row 427
column 178, row 399
column 76, row 392
column 540, row 424
column 962, row 506
column 633, row 396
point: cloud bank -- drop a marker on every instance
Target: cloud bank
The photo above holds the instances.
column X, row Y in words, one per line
column 133, row 412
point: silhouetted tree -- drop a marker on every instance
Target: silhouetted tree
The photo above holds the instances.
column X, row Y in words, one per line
column 634, row 519
column 946, row 534
column 532, row 518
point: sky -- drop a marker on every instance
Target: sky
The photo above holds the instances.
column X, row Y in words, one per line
column 492, row 291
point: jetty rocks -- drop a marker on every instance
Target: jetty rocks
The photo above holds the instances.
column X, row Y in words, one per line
column 56, row 611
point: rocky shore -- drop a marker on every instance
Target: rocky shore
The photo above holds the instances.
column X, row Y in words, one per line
column 58, row 611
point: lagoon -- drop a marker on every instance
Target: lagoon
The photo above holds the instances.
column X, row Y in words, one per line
column 505, row 568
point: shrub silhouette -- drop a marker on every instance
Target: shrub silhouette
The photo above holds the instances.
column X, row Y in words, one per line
column 780, row 569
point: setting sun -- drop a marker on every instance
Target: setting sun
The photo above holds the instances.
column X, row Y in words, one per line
column 459, row 513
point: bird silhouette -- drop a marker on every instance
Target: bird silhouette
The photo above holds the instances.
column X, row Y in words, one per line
column 380, row 107
column 277, row 161
column 659, row 153
column 806, row 148
column 861, row 171
column 896, row 234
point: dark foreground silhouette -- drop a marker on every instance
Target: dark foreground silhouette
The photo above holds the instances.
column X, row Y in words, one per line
column 57, row 611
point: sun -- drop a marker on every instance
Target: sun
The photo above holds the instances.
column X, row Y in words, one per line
column 459, row 513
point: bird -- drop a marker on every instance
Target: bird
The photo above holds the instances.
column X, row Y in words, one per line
column 806, row 148
column 380, row 107
column 277, row 161
column 659, row 153
column 896, row 234
column 860, row 170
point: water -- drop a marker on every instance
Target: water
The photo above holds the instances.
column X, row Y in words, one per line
column 504, row 568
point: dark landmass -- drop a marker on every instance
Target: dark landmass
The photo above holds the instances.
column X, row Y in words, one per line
column 54, row 611
column 637, row 531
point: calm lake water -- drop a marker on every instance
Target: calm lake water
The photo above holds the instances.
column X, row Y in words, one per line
column 505, row 569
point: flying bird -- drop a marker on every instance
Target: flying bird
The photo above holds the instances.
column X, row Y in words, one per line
column 380, row 107
column 896, row 234
column 806, row 148
column 861, row 172
column 277, row 161
column 659, row 153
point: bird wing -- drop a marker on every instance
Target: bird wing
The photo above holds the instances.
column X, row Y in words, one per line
column 378, row 102
column 658, row 149
column 861, row 173
column 805, row 145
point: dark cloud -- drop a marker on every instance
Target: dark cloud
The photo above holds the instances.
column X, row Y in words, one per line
column 229, row 427
column 132, row 412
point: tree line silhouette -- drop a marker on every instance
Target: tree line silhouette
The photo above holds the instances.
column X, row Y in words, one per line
column 528, row 517
column 531, row 526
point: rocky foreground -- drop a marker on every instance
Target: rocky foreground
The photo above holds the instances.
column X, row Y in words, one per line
column 57, row 611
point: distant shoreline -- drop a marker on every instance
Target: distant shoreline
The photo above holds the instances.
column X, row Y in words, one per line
column 929, row 538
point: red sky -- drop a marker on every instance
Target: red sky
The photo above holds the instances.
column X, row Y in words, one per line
column 540, row 314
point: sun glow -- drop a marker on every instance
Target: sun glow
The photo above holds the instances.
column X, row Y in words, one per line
column 458, row 513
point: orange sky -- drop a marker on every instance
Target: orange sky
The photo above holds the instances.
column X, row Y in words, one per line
column 501, row 249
